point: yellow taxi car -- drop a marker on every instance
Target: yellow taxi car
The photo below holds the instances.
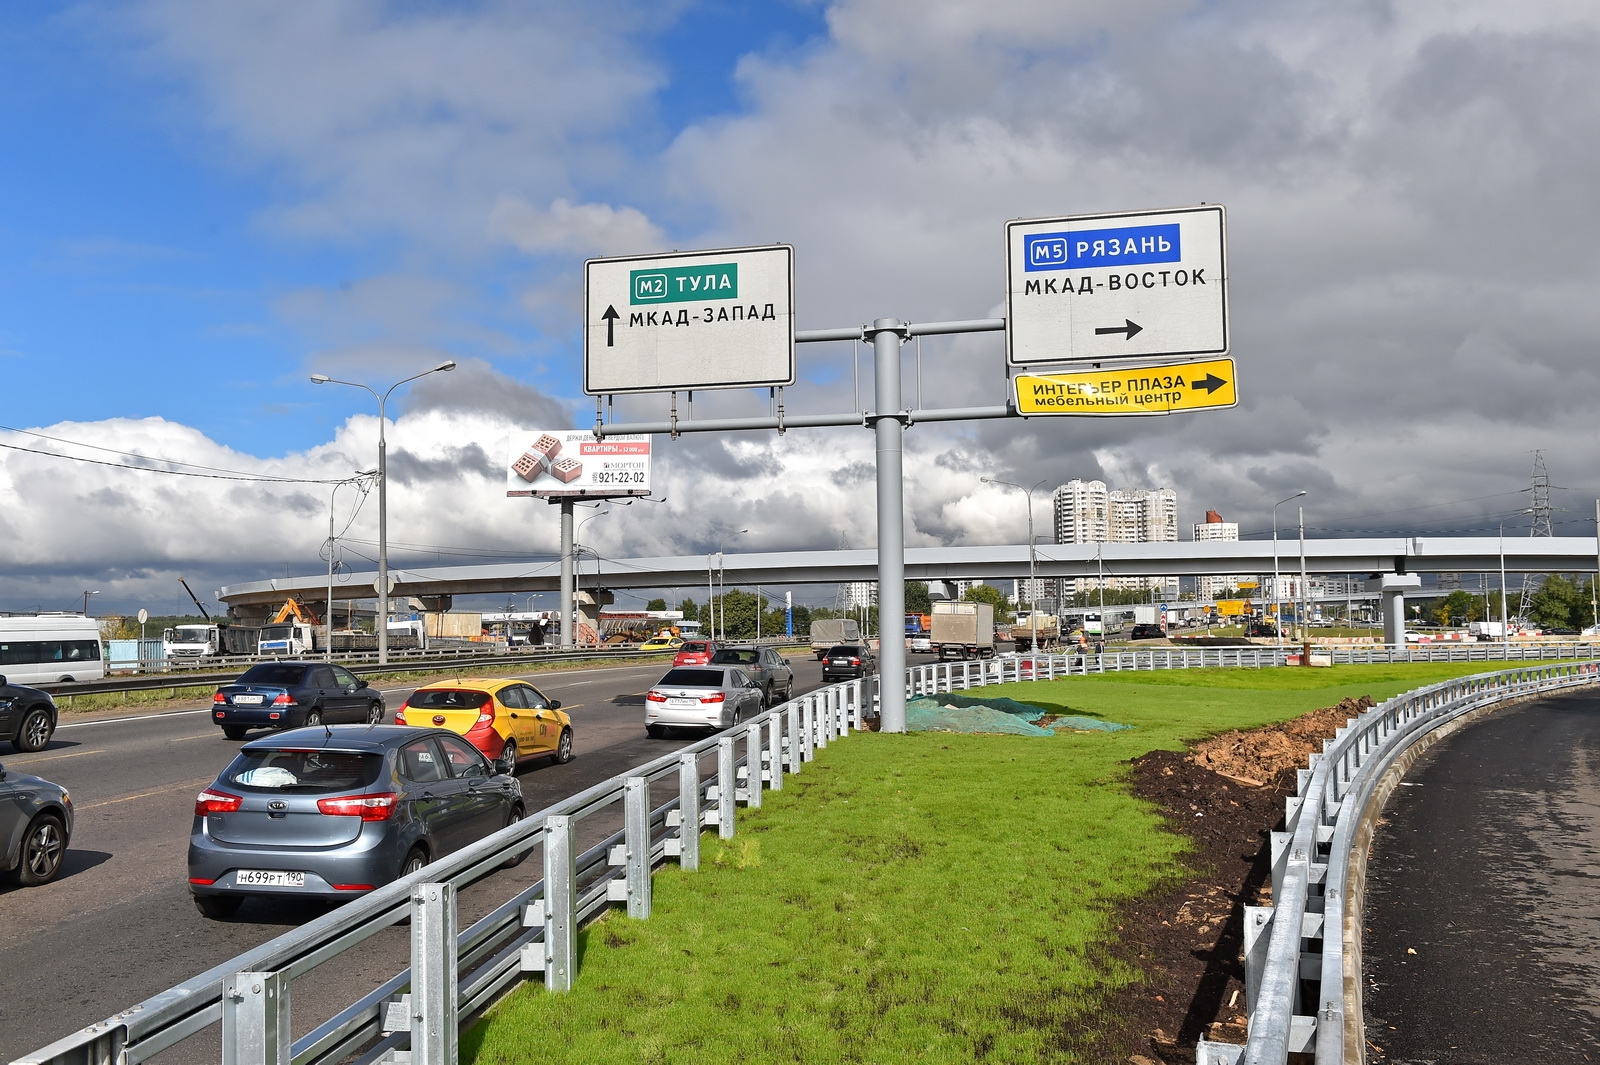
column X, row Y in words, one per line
column 660, row 644
column 507, row 720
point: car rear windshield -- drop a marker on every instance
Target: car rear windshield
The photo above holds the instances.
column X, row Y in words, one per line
column 696, row 648
column 731, row 657
column 277, row 673
column 844, row 651
column 447, row 699
column 303, row 771
column 693, row 678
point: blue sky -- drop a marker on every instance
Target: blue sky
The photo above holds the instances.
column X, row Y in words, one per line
column 137, row 273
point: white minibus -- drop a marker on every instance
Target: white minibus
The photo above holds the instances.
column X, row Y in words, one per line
column 50, row 648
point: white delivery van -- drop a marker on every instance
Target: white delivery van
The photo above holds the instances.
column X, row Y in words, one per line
column 50, row 648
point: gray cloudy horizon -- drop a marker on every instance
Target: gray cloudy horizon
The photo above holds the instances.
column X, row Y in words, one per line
column 1411, row 246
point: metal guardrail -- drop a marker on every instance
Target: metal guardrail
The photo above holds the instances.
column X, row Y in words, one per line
column 414, row 1016
column 1302, row 988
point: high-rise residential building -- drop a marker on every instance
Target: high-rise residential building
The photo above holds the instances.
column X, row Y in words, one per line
column 1086, row 512
column 1214, row 528
column 858, row 594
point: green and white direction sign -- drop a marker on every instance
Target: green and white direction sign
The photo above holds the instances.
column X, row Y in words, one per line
column 689, row 321
column 1145, row 284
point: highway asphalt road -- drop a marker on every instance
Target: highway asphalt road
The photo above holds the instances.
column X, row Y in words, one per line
column 119, row 926
column 1482, row 916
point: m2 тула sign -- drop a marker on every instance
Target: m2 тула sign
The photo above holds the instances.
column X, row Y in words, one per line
column 552, row 463
column 689, row 321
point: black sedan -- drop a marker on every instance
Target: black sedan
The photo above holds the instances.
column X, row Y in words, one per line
column 846, row 661
column 280, row 695
column 35, row 827
column 1147, row 632
column 27, row 716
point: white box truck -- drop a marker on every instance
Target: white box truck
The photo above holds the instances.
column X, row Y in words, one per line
column 830, row 632
column 963, row 630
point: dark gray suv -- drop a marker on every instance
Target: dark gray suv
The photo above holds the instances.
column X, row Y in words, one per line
column 769, row 669
column 332, row 812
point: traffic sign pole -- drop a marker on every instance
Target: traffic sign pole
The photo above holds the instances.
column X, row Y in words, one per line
column 887, row 335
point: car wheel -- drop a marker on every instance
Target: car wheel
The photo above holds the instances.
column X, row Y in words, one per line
column 35, row 733
column 217, row 906
column 234, row 732
column 375, row 714
column 517, row 814
column 766, row 696
column 735, row 720
column 313, row 717
column 416, row 858
column 564, row 747
column 655, row 732
column 507, row 762
column 44, row 845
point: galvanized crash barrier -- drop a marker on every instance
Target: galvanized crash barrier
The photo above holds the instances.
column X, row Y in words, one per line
column 1302, row 954
column 415, row 1015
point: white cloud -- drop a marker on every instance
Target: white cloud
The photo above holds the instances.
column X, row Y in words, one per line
column 584, row 228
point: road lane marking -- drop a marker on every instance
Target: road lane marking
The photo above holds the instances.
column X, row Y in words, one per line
column 146, row 794
column 121, row 720
column 50, row 757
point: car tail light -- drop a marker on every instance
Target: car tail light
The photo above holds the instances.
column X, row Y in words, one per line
column 400, row 714
column 655, row 697
column 216, row 802
column 855, row 661
column 714, row 697
column 202, row 881
column 219, row 698
column 283, row 700
column 486, row 713
column 366, row 807
column 352, row 887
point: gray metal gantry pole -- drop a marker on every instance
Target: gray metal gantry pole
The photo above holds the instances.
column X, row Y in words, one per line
column 568, row 583
column 887, row 335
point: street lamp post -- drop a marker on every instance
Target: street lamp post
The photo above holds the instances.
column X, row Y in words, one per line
column 381, row 622
column 577, row 558
column 86, row 596
column 720, row 630
column 1277, row 592
column 1033, row 605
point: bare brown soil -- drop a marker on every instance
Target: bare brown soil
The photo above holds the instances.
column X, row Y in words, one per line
column 1225, row 797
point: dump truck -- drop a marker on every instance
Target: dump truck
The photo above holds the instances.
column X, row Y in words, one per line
column 963, row 630
column 1040, row 624
column 830, row 632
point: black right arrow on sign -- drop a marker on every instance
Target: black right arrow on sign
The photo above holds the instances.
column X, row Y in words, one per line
column 1129, row 331
column 1210, row 382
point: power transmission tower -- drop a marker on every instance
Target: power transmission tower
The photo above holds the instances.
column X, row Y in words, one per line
column 1540, row 510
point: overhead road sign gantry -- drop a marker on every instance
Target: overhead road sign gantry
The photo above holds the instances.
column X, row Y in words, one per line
column 1120, row 390
column 689, row 321
column 1091, row 288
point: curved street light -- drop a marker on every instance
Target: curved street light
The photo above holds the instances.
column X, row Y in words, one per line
column 1277, row 613
column 382, row 620
column 1033, row 602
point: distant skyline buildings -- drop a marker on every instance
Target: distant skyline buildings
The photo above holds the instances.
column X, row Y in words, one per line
column 1088, row 512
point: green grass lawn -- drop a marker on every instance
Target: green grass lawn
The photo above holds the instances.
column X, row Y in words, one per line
column 931, row 897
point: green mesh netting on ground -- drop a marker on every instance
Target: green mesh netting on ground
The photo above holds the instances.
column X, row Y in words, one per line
column 964, row 713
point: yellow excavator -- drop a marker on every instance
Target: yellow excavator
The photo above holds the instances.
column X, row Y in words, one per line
column 292, row 609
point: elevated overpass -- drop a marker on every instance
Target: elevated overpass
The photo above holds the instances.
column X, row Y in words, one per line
column 1395, row 562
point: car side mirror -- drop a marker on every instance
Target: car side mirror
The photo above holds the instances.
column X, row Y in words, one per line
column 2, row 680
column 555, row 704
column 2, row 772
column 361, row 683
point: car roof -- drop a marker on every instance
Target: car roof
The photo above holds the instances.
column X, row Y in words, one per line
column 492, row 683
column 373, row 739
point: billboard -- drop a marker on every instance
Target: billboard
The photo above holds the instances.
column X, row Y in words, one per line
column 553, row 463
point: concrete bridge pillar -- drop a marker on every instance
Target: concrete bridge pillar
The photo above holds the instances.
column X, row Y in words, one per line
column 1393, row 587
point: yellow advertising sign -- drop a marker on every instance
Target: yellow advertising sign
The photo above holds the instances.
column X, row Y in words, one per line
column 1123, row 390
column 1230, row 608
column 1248, row 586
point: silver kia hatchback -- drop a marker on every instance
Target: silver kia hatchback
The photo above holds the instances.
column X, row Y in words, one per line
column 331, row 813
